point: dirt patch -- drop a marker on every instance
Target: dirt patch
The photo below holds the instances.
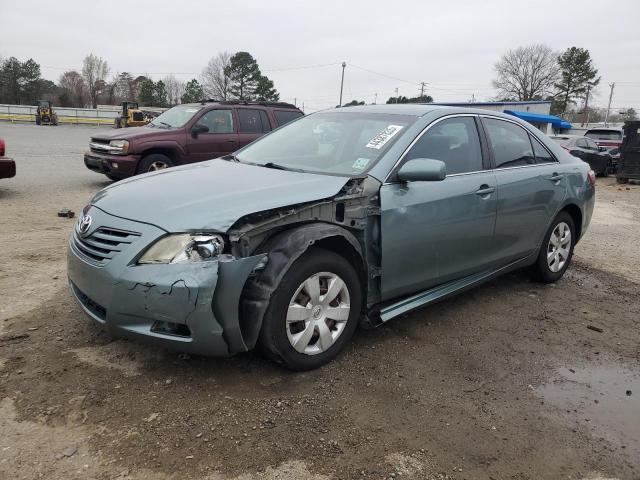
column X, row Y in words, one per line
column 452, row 391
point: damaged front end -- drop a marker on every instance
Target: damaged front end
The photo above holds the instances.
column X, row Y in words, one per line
column 215, row 307
column 188, row 306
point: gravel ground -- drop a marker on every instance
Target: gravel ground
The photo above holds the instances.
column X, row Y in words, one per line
column 510, row 380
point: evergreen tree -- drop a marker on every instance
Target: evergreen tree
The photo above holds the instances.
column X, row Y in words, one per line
column 577, row 73
column 193, row 92
column 147, row 91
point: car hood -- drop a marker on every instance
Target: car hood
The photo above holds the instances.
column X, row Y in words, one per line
column 212, row 195
column 128, row 133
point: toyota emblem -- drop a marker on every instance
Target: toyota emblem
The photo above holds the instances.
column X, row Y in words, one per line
column 84, row 223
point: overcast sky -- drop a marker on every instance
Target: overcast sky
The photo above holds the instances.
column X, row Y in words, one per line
column 450, row 45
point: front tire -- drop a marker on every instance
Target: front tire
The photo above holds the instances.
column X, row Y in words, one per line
column 153, row 162
column 313, row 312
column 556, row 250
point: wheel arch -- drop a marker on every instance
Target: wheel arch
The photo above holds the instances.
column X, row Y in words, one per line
column 284, row 248
column 576, row 215
column 170, row 152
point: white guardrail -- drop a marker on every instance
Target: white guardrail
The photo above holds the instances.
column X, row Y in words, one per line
column 77, row 116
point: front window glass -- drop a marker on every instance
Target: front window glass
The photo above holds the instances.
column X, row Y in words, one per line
column 510, row 143
column 176, row 117
column 331, row 142
column 455, row 142
column 218, row 121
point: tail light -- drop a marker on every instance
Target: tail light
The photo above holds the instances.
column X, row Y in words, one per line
column 591, row 177
column 1, row 148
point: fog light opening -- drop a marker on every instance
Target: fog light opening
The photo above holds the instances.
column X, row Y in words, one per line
column 170, row 328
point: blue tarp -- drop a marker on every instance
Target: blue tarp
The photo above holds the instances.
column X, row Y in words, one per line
column 538, row 118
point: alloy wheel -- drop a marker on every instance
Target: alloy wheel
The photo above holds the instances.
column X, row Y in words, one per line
column 559, row 247
column 157, row 166
column 318, row 313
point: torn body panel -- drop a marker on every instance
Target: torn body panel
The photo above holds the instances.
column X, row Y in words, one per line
column 191, row 307
column 347, row 223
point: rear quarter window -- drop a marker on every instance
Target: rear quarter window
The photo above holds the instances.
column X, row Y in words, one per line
column 286, row 116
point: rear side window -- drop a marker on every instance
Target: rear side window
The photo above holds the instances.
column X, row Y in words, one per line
column 591, row 145
column 582, row 143
column 455, row 142
column 541, row 153
column 509, row 142
column 285, row 116
column 604, row 134
column 251, row 121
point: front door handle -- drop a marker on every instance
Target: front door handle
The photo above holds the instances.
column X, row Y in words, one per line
column 485, row 190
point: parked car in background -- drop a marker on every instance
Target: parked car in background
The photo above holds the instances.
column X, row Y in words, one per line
column 344, row 217
column 605, row 138
column 7, row 165
column 614, row 153
column 586, row 149
column 185, row 134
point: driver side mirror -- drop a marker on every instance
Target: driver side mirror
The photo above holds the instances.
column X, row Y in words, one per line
column 199, row 128
column 422, row 170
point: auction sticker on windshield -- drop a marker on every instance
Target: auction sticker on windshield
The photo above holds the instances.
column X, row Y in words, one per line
column 384, row 136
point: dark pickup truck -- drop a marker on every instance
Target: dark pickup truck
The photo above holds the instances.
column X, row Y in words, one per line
column 7, row 165
column 185, row 134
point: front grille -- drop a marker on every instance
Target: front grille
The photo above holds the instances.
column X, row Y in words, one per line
column 103, row 244
column 99, row 145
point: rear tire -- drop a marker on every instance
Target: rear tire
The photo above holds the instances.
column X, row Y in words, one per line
column 38, row 120
column 116, row 123
column 329, row 321
column 556, row 250
column 622, row 180
column 111, row 177
column 153, row 162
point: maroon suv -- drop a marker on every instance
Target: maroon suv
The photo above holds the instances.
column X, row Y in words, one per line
column 185, row 134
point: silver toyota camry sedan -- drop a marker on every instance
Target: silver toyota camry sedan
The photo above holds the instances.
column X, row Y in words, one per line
column 343, row 218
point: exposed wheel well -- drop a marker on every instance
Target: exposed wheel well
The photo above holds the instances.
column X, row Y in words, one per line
column 576, row 216
column 172, row 154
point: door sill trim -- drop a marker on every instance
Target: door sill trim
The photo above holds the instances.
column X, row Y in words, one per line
column 447, row 289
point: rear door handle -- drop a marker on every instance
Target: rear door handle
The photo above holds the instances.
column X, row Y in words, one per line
column 555, row 177
column 485, row 190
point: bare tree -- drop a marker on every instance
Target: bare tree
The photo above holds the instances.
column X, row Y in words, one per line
column 174, row 88
column 527, row 73
column 94, row 71
column 73, row 85
column 215, row 81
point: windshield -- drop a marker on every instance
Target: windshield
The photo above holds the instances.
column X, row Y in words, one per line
column 604, row 134
column 176, row 116
column 331, row 142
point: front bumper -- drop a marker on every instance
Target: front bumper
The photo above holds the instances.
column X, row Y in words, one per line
column 120, row 166
column 191, row 307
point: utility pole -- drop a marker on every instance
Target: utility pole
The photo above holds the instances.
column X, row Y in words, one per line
column 396, row 90
column 422, row 84
column 586, row 106
column 295, row 102
column 344, row 64
column 375, row 98
column 606, row 117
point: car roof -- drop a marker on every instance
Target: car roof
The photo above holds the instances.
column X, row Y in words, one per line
column 226, row 103
column 419, row 110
